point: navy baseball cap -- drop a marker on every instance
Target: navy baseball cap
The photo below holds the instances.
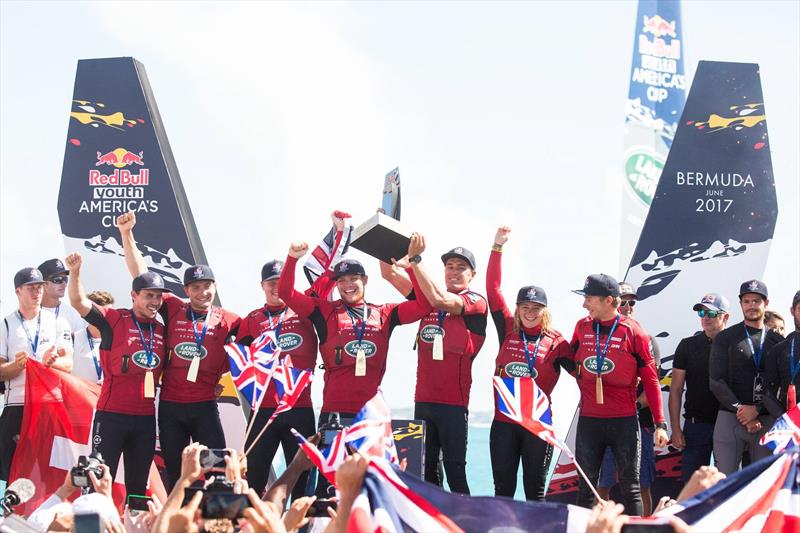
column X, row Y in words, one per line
column 460, row 253
column 599, row 285
column 713, row 302
column 149, row 280
column 52, row 268
column 532, row 294
column 197, row 273
column 271, row 270
column 347, row 267
column 755, row 286
column 626, row 289
column 27, row 276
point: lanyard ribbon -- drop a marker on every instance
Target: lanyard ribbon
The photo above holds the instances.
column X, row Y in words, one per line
column 794, row 366
column 97, row 368
column 35, row 341
column 531, row 360
column 276, row 329
column 359, row 334
column 440, row 318
column 601, row 356
column 198, row 339
column 757, row 356
column 148, row 347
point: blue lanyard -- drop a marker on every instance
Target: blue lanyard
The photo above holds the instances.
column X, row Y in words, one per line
column 58, row 308
column 601, row 356
column 440, row 317
column 94, row 357
column 756, row 356
column 794, row 367
column 528, row 358
column 148, row 348
column 275, row 328
column 359, row 334
column 35, row 341
column 197, row 338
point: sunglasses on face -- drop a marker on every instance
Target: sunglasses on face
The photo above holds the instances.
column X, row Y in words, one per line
column 630, row 303
column 59, row 280
column 710, row 314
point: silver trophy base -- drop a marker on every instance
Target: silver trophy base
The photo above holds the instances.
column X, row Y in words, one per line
column 381, row 237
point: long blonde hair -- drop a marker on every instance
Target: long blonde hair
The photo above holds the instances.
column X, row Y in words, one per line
column 546, row 320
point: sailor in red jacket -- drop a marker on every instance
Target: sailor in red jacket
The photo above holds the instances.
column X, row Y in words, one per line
column 529, row 347
column 131, row 358
column 448, row 340
column 612, row 353
column 196, row 333
column 297, row 339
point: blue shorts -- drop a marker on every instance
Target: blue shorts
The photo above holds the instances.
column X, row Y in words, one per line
column 647, row 468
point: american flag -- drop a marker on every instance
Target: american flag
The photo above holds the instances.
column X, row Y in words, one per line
column 785, row 433
column 371, row 431
column 327, row 253
column 525, row 403
column 328, row 459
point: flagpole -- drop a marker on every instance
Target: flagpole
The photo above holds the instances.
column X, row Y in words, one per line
column 250, row 448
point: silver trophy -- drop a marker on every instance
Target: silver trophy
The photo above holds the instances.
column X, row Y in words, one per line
column 382, row 236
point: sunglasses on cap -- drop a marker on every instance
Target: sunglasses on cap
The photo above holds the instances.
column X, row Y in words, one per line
column 710, row 314
column 629, row 303
column 59, row 280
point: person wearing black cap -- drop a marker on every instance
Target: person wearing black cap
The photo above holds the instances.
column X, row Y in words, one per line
column 56, row 275
column 529, row 347
column 690, row 368
column 197, row 331
column 131, row 358
column 736, row 377
column 448, row 340
column 783, row 368
column 612, row 353
column 27, row 333
column 297, row 338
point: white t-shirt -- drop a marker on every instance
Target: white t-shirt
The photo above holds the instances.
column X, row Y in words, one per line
column 63, row 309
column 14, row 339
column 87, row 354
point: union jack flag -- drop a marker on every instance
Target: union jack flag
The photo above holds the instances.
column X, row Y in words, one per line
column 251, row 374
column 327, row 253
column 289, row 385
column 785, row 433
column 525, row 403
column 371, row 431
column 329, row 458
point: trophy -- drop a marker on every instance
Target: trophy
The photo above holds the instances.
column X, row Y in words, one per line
column 382, row 236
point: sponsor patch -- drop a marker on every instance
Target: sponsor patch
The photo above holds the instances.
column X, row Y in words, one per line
column 290, row 341
column 352, row 347
column 140, row 360
column 188, row 351
column 520, row 370
column 427, row 333
column 590, row 364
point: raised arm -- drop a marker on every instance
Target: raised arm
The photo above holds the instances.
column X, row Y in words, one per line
column 396, row 277
column 299, row 303
column 439, row 298
column 77, row 296
column 494, row 273
column 133, row 257
column 412, row 310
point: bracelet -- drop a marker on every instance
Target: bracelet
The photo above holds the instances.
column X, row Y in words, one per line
column 497, row 247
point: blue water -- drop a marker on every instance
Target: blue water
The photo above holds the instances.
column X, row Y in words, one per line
column 479, row 466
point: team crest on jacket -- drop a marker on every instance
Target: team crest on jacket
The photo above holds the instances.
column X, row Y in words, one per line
column 590, row 364
column 140, row 360
column 189, row 350
column 352, row 347
column 520, row 370
column 290, row 341
column 427, row 333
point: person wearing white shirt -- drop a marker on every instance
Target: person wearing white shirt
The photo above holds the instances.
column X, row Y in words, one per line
column 86, row 360
column 27, row 333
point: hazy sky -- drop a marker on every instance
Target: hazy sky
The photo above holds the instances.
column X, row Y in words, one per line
column 279, row 113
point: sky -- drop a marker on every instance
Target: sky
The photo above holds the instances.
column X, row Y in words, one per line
column 279, row 113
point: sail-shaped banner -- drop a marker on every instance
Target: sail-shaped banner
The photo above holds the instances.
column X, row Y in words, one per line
column 655, row 101
column 118, row 159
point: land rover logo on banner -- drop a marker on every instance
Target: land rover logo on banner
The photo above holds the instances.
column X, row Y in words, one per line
column 140, row 360
column 352, row 348
column 188, row 351
column 427, row 333
column 290, row 341
column 590, row 364
column 643, row 167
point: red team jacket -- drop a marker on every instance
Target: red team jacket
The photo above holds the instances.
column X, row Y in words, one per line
column 124, row 360
column 628, row 358
column 182, row 346
column 297, row 339
column 344, row 391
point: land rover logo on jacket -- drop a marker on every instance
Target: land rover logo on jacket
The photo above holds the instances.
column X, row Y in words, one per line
column 427, row 333
column 290, row 341
column 188, row 350
column 520, row 370
column 590, row 364
column 140, row 360
column 352, row 348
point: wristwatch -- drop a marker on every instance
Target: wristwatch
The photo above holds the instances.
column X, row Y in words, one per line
column 415, row 258
column 661, row 425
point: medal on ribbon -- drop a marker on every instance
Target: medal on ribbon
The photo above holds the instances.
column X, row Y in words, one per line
column 194, row 366
column 438, row 338
column 600, row 358
column 149, row 381
column 361, row 356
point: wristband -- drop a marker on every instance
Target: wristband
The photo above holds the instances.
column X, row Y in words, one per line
column 497, row 247
column 661, row 425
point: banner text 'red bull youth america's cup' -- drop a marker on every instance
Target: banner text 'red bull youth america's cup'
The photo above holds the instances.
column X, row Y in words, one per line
column 118, row 159
column 710, row 225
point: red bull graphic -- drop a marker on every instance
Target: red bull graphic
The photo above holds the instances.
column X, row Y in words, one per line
column 120, row 157
column 658, row 26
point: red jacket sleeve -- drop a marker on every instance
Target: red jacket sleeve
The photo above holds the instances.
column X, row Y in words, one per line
column 494, row 294
column 413, row 310
column 300, row 303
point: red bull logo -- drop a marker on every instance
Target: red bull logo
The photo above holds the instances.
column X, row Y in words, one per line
column 658, row 26
column 119, row 158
